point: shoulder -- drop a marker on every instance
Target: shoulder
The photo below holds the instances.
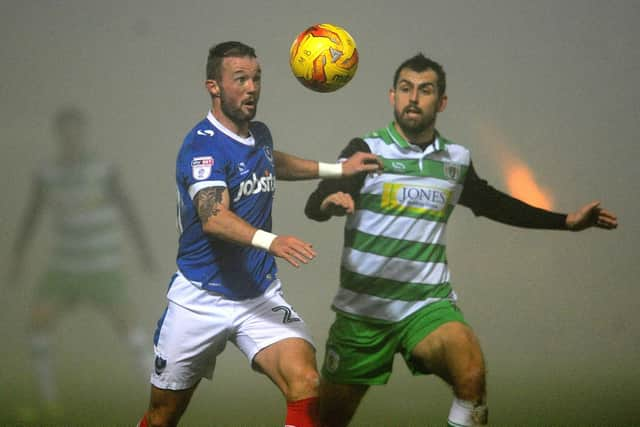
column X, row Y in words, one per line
column 457, row 152
column 355, row 145
column 202, row 139
column 260, row 132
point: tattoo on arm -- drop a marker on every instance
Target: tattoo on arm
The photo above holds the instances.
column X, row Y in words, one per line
column 208, row 202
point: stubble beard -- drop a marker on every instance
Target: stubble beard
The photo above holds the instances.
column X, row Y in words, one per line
column 414, row 128
column 235, row 114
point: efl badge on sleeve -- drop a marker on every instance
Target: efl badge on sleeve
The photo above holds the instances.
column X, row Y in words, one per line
column 201, row 167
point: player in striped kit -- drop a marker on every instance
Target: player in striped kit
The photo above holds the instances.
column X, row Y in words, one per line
column 226, row 288
column 395, row 294
column 87, row 206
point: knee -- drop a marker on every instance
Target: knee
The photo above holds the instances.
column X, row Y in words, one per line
column 471, row 383
column 302, row 383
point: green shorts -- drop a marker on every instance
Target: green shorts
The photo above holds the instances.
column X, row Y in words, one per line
column 102, row 288
column 361, row 352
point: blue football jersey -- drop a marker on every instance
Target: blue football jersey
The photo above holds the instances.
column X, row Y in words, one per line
column 213, row 156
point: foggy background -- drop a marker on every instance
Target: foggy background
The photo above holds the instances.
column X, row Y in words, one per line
column 550, row 83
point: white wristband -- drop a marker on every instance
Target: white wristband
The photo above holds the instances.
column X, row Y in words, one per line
column 263, row 239
column 329, row 170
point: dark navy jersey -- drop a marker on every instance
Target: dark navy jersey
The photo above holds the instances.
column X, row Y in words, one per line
column 213, row 156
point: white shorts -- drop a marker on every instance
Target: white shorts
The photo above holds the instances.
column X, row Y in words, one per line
column 197, row 324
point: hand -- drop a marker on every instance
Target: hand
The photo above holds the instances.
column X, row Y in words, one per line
column 292, row 249
column 361, row 162
column 338, row 204
column 591, row 215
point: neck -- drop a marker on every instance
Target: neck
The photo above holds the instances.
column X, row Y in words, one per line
column 240, row 129
column 421, row 139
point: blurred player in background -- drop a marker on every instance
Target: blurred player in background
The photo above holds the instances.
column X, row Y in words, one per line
column 395, row 294
column 87, row 205
column 226, row 287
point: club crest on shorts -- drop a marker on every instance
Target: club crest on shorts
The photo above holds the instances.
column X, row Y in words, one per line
column 201, row 167
column 159, row 364
column 331, row 360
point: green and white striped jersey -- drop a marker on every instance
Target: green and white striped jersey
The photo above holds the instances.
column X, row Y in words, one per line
column 394, row 260
column 87, row 234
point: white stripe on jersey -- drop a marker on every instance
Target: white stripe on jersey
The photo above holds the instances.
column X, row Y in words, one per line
column 401, row 270
column 193, row 190
column 379, row 308
column 396, row 227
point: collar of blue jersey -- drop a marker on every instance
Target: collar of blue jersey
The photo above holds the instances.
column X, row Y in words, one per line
column 250, row 141
column 438, row 144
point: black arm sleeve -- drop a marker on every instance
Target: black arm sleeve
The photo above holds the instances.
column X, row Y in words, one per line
column 351, row 184
column 484, row 200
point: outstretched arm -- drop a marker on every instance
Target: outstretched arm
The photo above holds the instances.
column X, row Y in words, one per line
column 291, row 168
column 212, row 205
column 484, row 200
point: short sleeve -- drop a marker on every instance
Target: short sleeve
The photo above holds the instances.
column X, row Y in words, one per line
column 201, row 166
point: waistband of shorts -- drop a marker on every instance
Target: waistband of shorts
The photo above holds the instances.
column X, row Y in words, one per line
column 274, row 287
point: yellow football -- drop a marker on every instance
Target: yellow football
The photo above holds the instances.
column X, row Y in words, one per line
column 324, row 57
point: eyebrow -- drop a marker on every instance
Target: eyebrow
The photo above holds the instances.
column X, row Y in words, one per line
column 245, row 72
column 425, row 84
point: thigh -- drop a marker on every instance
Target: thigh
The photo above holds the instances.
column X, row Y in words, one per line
column 359, row 352
column 337, row 403
column 291, row 365
column 422, row 324
column 276, row 341
column 267, row 320
column 189, row 337
column 452, row 351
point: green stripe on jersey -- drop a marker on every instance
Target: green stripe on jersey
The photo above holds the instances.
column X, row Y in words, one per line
column 389, row 247
column 373, row 203
column 429, row 168
column 391, row 289
column 389, row 136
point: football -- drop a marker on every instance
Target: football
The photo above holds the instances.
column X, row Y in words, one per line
column 324, row 57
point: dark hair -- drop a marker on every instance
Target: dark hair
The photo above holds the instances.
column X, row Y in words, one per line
column 225, row 50
column 420, row 63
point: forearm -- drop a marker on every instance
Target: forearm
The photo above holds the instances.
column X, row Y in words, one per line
column 511, row 211
column 226, row 225
column 484, row 200
column 292, row 168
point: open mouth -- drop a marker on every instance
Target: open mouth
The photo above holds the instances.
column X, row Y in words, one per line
column 412, row 112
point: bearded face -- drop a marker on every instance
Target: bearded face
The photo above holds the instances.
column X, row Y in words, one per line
column 416, row 103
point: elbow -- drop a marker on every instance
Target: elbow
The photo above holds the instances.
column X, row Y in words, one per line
column 214, row 225
column 211, row 228
column 312, row 211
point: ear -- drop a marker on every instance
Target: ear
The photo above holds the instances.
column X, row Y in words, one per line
column 392, row 96
column 443, row 103
column 212, row 87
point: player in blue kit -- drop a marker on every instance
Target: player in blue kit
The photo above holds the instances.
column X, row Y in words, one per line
column 226, row 287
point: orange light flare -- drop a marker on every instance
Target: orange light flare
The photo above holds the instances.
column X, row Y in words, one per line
column 520, row 179
column 521, row 184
